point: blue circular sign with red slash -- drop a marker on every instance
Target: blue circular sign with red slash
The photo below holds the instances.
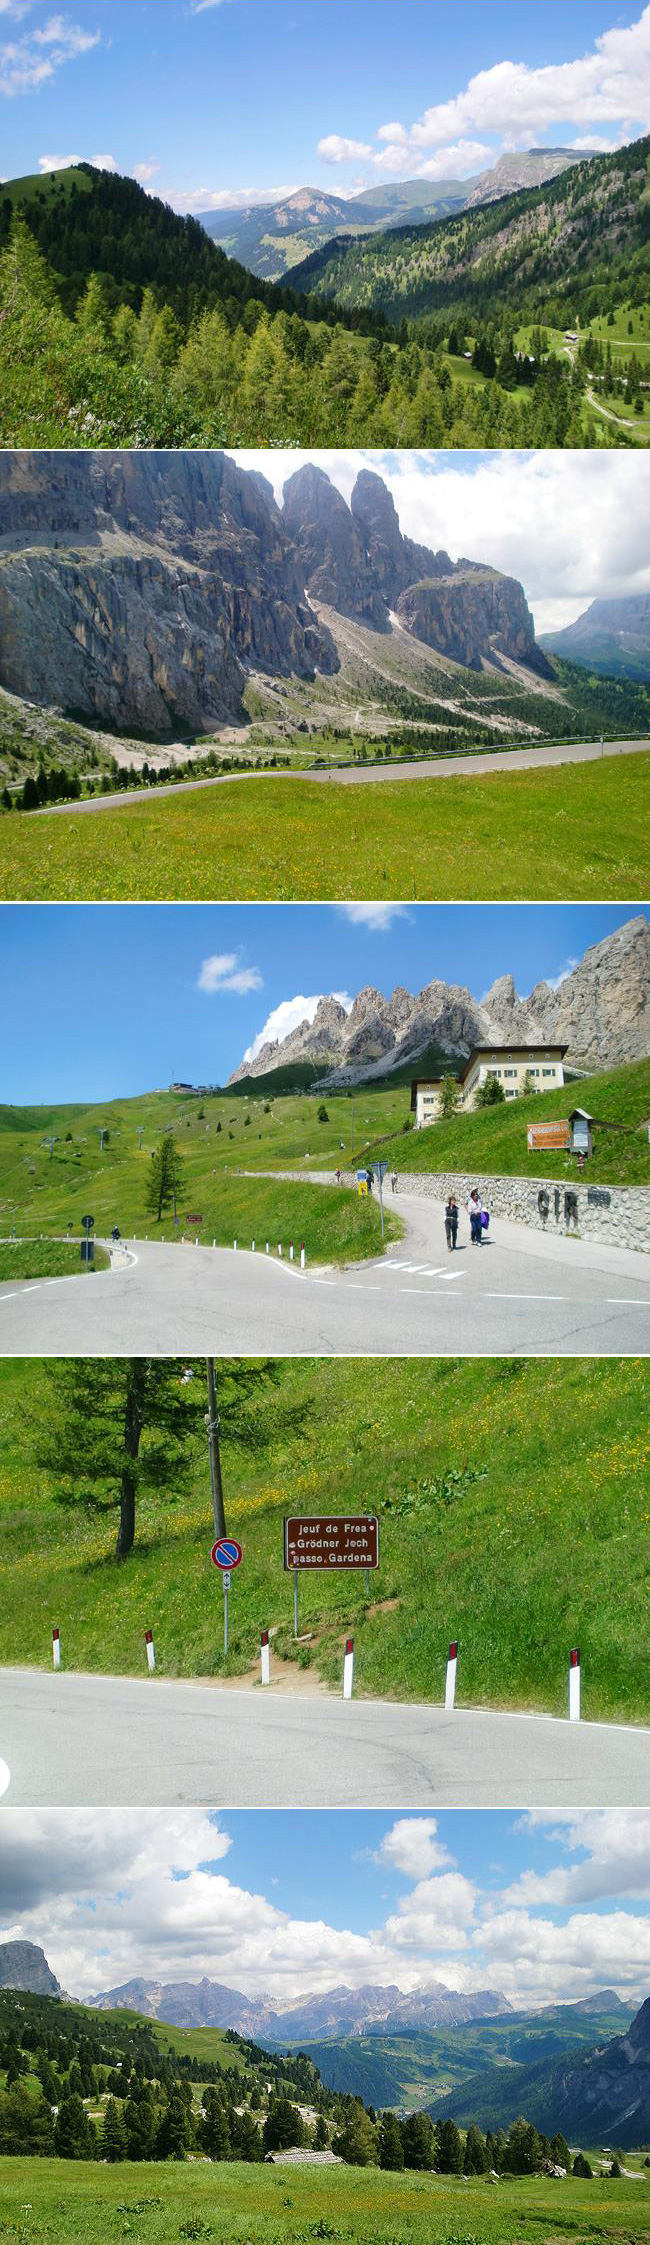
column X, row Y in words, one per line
column 226, row 1553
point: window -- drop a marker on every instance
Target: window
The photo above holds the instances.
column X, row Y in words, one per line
column 511, row 1095
column 548, row 1071
column 509, row 1071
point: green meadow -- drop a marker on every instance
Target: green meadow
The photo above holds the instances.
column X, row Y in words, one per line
column 513, row 1507
column 69, row 2203
column 570, row 831
column 46, row 1189
column 44, row 1258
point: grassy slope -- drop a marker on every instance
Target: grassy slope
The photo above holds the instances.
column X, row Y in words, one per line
column 562, row 1449
column 73, row 2203
column 493, row 1140
column 42, row 1193
column 572, row 831
column 47, row 1258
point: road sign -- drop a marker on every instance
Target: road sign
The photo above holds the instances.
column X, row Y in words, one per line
column 226, row 1580
column 332, row 1541
column 226, row 1553
column 380, row 1168
column 192, row 1218
column 88, row 1223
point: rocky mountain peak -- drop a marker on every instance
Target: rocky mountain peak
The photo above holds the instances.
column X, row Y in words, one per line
column 601, row 1012
column 24, row 1965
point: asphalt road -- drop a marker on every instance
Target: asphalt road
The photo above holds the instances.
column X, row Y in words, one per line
column 77, row 1740
column 357, row 775
column 520, row 1293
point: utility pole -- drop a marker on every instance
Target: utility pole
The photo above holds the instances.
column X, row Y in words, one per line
column 212, row 1424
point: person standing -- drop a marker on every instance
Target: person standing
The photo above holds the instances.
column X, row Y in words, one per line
column 475, row 1213
column 451, row 1220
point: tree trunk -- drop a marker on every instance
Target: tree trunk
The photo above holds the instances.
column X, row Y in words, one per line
column 216, row 1482
column 133, row 1424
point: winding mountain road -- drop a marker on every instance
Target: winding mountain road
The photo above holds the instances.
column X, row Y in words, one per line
column 77, row 1740
column 522, row 1292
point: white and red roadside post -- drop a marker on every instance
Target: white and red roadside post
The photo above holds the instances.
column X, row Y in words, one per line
column 56, row 1648
column 265, row 1656
column 302, row 1255
column 574, row 1684
column 348, row 1668
column 151, row 1652
column 450, row 1681
column 291, row 1251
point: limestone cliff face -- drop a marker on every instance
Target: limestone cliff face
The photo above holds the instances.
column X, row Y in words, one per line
column 139, row 588
column 357, row 559
column 601, row 1011
column 24, row 1965
column 472, row 615
column 604, row 2098
column 332, row 554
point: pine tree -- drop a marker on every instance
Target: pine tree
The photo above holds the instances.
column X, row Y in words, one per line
column 357, row 2141
column 114, row 2139
column 476, row 2159
column 418, row 2137
column 449, row 2149
column 391, row 2148
column 165, row 1177
column 174, row 2131
column 74, row 2134
column 214, row 2131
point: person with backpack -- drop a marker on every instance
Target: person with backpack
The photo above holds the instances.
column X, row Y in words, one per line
column 475, row 1213
column 451, row 1220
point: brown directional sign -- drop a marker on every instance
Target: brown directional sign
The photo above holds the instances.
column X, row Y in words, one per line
column 331, row 1541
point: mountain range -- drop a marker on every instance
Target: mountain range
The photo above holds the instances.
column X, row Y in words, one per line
column 269, row 238
column 206, row 2003
column 575, row 240
column 600, row 1010
column 143, row 590
column 598, row 2093
column 611, row 637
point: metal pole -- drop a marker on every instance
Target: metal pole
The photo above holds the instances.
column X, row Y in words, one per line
column 381, row 1204
column 295, row 1602
column 212, row 1423
column 225, row 1614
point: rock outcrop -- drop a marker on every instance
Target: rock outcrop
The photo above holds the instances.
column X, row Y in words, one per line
column 340, row 2010
column 601, row 1011
column 140, row 588
column 605, row 2097
column 472, row 615
column 24, row 1965
column 357, row 560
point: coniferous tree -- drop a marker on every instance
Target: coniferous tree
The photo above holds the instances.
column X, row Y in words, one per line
column 391, row 2148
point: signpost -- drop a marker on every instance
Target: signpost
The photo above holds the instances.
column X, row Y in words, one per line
column 328, row 1541
column 380, row 1168
column 192, row 1218
column 226, row 1554
column 88, row 1244
column 554, row 1135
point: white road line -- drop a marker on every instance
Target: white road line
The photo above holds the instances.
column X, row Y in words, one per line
column 626, row 1302
column 5, row 1774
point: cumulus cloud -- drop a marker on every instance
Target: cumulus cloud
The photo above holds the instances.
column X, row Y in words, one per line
column 289, row 1015
column 30, row 61
column 377, row 917
column 146, row 171
column 63, row 163
column 223, row 972
column 614, row 1845
column 520, row 105
column 436, row 1915
column 411, row 1846
column 336, row 149
column 232, row 198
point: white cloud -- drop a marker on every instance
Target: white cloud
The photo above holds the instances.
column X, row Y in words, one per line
column 411, row 1846
column 375, row 916
column 63, row 163
column 232, row 198
column 534, row 1957
column 222, row 972
column 615, row 1844
column 521, row 106
column 436, row 1915
column 554, row 980
column 145, row 172
column 290, row 1014
column 27, row 63
column 335, row 149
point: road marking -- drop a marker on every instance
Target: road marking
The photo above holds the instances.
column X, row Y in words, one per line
column 5, row 1774
column 627, row 1302
column 503, row 1297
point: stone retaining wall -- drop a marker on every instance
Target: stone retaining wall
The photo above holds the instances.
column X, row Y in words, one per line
column 619, row 1214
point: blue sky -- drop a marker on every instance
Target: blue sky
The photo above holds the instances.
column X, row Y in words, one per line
column 206, row 100
column 101, row 1001
column 544, row 1906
